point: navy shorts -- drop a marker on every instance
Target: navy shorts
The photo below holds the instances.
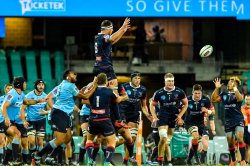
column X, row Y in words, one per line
column 109, row 71
column 84, row 119
column 60, row 121
column 39, row 126
column 130, row 117
column 231, row 127
column 3, row 127
column 167, row 121
column 22, row 130
column 103, row 127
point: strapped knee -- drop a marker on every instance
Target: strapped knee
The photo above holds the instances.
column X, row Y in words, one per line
column 133, row 132
column 31, row 133
column 163, row 133
column 84, row 133
column 192, row 130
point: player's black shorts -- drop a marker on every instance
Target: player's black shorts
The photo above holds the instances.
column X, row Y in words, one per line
column 3, row 127
column 39, row 126
column 84, row 119
column 167, row 121
column 101, row 126
column 231, row 127
column 128, row 117
column 246, row 136
column 60, row 120
column 22, row 130
column 109, row 71
column 205, row 132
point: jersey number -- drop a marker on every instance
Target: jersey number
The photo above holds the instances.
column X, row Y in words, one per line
column 96, row 48
column 97, row 101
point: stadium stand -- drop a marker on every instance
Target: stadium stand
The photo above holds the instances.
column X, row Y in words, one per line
column 16, row 64
column 3, row 71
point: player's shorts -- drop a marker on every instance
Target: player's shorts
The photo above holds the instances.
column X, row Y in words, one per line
column 108, row 70
column 3, row 127
column 134, row 118
column 84, row 119
column 22, row 130
column 102, row 126
column 39, row 126
column 246, row 136
column 167, row 121
column 232, row 127
column 60, row 121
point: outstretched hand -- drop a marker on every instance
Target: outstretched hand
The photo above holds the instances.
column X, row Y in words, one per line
column 126, row 24
column 217, row 82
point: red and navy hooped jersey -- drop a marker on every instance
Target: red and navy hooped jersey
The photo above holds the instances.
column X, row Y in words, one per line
column 169, row 101
column 100, row 102
column 135, row 95
column 103, row 50
column 194, row 115
column 233, row 114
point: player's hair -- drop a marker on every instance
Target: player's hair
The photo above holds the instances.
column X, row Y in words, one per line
column 106, row 24
column 38, row 81
column 197, row 87
column 236, row 79
column 101, row 79
column 6, row 85
column 247, row 95
column 18, row 82
column 169, row 75
column 67, row 72
column 134, row 74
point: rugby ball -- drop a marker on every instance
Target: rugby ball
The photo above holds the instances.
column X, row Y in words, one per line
column 206, row 51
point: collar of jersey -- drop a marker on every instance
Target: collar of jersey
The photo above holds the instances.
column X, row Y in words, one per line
column 130, row 83
column 101, row 86
column 169, row 90
column 195, row 100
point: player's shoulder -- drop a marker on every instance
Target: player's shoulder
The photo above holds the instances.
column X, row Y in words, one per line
column 177, row 89
column 205, row 98
column 44, row 94
column 190, row 98
column 159, row 91
column 143, row 87
column 126, row 84
column 29, row 94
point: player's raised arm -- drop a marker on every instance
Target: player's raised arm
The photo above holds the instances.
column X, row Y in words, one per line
column 215, row 95
column 115, row 37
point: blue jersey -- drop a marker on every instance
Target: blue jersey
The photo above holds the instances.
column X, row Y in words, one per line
column 103, row 50
column 1, row 100
column 194, row 115
column 53, row 92
column 101, row 102
column 65, row 97
column 169, row 101
column 233, row 114
column 135, row 95
column 16, row 100
column 85, row 110
column 33, row 111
